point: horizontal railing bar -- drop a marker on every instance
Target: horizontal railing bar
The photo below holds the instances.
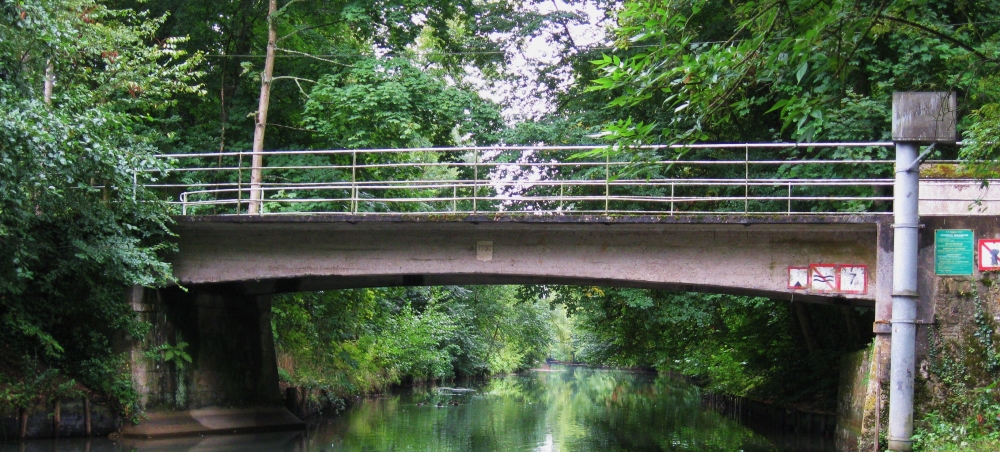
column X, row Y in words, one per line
column 522, row 164
column 539, row 148
column 582, row 212
column 549, row 199
column 530, row 185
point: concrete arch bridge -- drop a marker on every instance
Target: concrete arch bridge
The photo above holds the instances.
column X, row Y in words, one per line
column 749, row 225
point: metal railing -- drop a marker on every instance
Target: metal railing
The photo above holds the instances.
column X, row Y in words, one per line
column 695, row 179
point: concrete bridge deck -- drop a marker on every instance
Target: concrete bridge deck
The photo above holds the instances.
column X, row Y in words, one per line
column 747, row 255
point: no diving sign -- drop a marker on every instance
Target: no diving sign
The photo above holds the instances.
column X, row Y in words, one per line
column 823, row 277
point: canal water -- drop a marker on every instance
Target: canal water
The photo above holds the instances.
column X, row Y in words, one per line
column 558, row 408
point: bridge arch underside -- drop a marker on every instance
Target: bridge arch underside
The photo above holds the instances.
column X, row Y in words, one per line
column 727, row 254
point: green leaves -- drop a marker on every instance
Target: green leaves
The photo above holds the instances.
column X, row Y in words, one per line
column 174, row 354
column 393, row 104
column 357, row 341
column 76, row 228
column 711, row 64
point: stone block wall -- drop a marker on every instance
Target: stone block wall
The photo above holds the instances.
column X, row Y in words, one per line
column 229, row 341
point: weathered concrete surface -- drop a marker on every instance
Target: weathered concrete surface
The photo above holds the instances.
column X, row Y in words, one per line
column 213, row 421
column 231, row 385
column 947, row 301
column 858, row 399
column 959, row 197
column 721, row 254
column 924, row 117
column 230, row 343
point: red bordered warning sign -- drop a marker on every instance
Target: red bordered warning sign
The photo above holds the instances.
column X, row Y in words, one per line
column 852, row 278
column 823, row 277
column 989, row 254
column 798, row 278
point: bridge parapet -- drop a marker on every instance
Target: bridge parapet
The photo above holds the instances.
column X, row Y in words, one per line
column 751, row 255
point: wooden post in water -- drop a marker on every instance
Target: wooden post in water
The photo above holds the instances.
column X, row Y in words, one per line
column 56, row 415
column 86, row 416
column 23, row 431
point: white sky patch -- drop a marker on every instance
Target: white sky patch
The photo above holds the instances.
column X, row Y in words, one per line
column 535, row 53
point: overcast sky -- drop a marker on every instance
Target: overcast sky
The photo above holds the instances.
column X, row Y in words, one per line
column 539, row 52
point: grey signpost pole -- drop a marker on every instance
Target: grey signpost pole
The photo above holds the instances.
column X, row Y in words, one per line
column 917, row 119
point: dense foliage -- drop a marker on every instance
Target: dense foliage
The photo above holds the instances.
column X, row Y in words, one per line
column 363, row 340
column 75, row 228
column 739, row 345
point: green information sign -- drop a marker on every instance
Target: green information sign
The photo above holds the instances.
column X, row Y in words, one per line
column 953, row 252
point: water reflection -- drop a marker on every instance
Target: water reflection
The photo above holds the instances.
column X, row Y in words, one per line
column 556, row 409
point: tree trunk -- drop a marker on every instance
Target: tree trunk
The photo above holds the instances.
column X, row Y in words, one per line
column 265, row 98
column 50, row 81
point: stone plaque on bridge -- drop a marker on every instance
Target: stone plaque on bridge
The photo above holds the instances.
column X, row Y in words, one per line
column 954, row 252
column 484, row 251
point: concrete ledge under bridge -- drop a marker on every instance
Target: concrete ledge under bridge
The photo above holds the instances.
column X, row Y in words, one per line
column 733, row 254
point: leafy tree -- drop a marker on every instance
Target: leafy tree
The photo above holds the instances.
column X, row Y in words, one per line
column 362, row 340
column 794, row 66
column 740, row 345
column 76, row 225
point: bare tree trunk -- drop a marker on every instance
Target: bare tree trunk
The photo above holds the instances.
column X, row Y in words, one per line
column 50, row 81
column 265, row 98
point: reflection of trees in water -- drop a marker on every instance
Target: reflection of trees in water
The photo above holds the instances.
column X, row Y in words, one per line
column 573, row 409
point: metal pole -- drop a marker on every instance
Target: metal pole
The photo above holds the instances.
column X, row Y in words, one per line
column 239, row 184
column 354, row 182
column 904, row 297
column 746, row 181
column 789, row 199
column 475, row 182
column 607, row 178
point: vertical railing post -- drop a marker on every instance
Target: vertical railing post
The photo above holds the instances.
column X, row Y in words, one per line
column 562, row 192
column 789, row 198
column 671, row 197
column 239, row 184
column 184, row 203
column 607, row 181
column 454, row 198
column 746, row 181
column 475, row 182
column 354, row 182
